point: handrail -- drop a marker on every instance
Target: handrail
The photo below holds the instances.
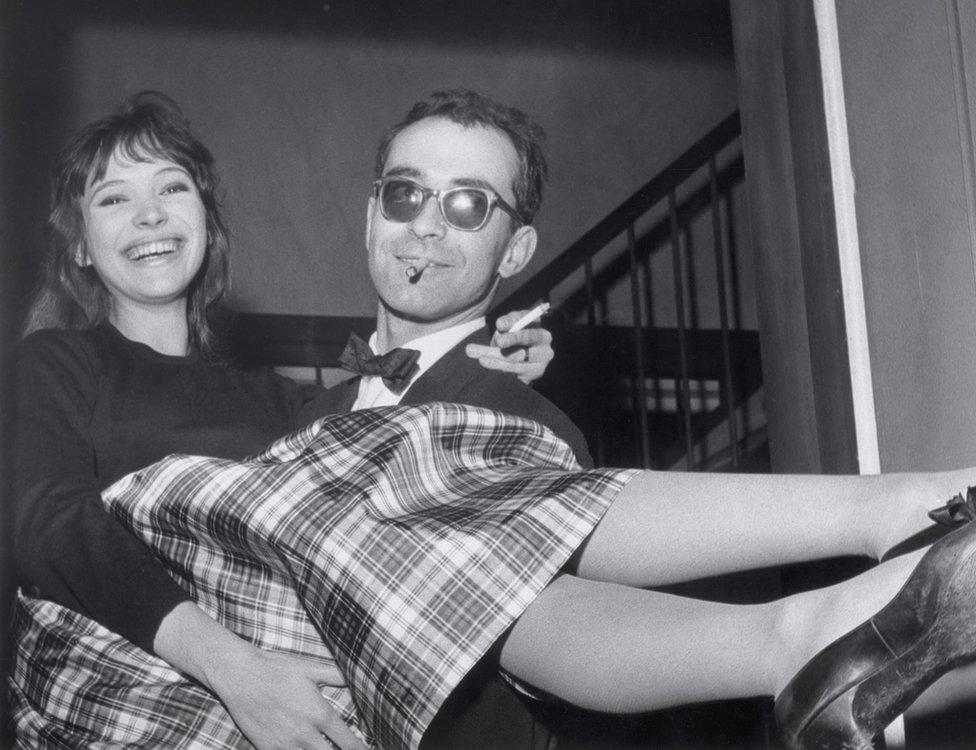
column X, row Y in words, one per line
column 617, row 221
column 655, row 236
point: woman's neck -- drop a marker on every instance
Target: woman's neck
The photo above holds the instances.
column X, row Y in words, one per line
column 164, row 328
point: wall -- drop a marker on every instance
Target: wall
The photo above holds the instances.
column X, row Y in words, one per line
column 909, row 71
column 294, row 102
column 800, row 306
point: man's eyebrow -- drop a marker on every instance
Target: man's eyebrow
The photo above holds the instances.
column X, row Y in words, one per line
column 416, row 174
column 403, row 172
column 473, row 182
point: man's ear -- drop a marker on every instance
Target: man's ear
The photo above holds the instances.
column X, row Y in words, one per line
column 370, row 207
column 518, row 252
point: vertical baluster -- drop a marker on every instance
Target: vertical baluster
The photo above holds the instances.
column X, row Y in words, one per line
column 590, row 301
column 723, row 311
column 599, row 438
column 682, row 392
column 640, row 399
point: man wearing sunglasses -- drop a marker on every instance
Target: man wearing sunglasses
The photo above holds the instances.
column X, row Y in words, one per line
column 459, row 181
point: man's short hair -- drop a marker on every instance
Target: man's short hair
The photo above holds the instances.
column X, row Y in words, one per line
column 469, row 108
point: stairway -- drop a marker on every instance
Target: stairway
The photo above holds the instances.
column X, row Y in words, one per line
column 653, row 388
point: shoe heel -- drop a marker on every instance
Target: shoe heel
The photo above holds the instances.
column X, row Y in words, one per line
column 850, row 691
column 821, row 693
column 835, row 728
column 949, row 642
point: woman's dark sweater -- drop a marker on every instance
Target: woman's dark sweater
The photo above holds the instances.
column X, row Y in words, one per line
column 93, row 406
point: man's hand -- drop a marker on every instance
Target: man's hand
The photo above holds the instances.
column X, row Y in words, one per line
column 527, row 353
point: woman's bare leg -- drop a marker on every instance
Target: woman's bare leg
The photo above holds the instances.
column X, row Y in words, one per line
column 666, row 527
column 610, row 647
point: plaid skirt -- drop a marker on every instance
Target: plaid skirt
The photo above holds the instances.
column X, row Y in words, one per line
column 400, row 542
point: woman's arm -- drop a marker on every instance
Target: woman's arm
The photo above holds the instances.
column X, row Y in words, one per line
column 67, row 547
column 274, row 698
column 69, row 550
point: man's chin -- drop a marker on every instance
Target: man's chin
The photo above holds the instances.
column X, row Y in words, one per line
column 426, row 315
column 420, row 317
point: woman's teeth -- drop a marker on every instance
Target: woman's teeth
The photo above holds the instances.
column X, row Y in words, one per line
column 152, row 249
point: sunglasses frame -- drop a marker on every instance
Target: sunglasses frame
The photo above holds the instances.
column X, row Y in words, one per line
column 494, row 199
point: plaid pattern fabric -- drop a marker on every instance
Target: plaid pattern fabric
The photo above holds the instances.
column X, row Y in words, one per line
column 75, row 684
column 403, row 541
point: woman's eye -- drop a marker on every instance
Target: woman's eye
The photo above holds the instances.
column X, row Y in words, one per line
column 176, row 187
column 111, row 200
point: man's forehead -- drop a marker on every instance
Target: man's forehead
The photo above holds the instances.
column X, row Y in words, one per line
column 447, row 152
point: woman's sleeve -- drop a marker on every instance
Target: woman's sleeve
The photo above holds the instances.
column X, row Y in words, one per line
column 300, row 396
column 67, row 547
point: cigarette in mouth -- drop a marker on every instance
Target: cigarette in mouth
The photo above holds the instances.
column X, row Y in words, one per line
column 414, row 273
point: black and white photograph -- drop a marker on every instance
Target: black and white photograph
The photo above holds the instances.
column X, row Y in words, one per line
column 511, row 375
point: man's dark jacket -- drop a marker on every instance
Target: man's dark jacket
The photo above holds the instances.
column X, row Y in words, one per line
column 457, row 378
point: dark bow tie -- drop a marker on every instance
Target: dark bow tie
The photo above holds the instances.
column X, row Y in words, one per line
column 396, row 367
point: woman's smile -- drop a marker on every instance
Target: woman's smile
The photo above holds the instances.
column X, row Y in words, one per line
column 154, row 249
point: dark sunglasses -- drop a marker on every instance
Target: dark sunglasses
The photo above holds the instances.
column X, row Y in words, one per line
column 464, row 208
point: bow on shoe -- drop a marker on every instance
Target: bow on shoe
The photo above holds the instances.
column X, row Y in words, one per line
column 958, row 511
column 396, row 367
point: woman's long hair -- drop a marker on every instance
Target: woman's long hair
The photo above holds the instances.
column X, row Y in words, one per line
column 148, row 125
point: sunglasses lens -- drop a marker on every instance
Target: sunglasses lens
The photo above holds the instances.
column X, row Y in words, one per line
column 401, row 200
column 466, row 208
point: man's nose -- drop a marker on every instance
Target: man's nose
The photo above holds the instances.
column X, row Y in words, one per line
column 429, row 222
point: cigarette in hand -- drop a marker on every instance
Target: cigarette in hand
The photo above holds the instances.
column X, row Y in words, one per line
column 529, row 318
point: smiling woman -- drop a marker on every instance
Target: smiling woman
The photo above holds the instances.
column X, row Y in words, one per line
column 122, row 368
column 146, row 239
column 138, row 177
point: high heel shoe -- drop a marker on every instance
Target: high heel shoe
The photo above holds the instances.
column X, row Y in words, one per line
column 958, row 511
column 849, row 692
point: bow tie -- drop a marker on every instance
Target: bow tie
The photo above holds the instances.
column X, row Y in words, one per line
column 396, row 367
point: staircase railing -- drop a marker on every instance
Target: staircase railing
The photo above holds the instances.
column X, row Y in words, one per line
column 682, row 354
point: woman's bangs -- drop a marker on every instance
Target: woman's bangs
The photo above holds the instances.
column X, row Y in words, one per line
column 140, row 146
